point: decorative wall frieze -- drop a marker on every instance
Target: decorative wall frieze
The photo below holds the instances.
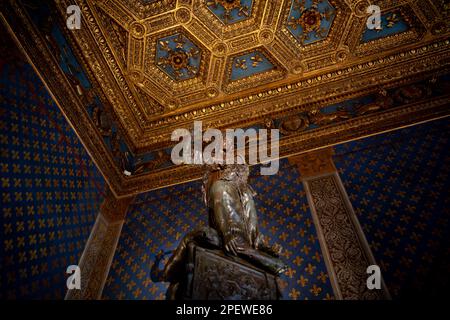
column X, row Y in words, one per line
column 309, row 140
column 344, row 246
column 100, row 248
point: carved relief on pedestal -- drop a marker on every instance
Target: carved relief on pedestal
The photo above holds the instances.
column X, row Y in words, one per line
column 218, row 277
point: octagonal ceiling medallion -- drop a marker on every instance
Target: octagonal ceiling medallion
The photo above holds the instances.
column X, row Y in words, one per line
column 174, row 65
column 230, row 11
column 310, row 21
column 178, row 57
column 158, row 65
column 229, row 19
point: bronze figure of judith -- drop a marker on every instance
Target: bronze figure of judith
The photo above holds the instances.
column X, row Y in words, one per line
column 233, row 225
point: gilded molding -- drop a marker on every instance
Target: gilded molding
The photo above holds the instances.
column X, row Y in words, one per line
column 148, row 137
column 148, row 111
column 343, row 244
column 310, row 140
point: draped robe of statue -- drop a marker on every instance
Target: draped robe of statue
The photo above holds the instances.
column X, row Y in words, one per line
column 233, row 225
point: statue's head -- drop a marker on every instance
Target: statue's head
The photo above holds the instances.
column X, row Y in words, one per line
column 232, row 172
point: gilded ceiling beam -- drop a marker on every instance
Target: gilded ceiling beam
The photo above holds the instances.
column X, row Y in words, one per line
column 133, row 73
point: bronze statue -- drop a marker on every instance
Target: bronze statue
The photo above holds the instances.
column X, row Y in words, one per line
column 233, row 225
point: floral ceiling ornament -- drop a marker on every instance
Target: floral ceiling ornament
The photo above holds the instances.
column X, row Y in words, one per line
column 178, row 57
column 256, row 59
column 230, row 11
column 310, row 20
column 241, row 64
column 250, row 63
column 392, row 20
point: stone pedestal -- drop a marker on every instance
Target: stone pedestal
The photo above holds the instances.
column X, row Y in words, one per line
column 211, row 275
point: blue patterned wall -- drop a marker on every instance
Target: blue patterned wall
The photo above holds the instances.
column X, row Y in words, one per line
column 50, row 189
column 310, row 21
column 158, row 220
column 398, row 185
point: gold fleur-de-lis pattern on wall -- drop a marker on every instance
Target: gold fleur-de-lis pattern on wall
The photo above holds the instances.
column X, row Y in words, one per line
column 398, row 185
column 158, row 220
column 50, row 189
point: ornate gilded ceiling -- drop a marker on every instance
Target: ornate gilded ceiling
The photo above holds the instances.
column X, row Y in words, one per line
column 137, row 70
column 310, row 21
column 229, row 11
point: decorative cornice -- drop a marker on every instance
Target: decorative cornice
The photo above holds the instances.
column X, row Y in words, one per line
column 311, row 140
column 155, row 130
column 348, row 77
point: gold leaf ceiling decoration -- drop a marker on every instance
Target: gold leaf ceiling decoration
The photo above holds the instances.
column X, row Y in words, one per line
column 308, row 67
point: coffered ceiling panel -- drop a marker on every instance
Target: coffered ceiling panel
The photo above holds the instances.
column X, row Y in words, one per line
column 229, row 12
column 136, row 70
